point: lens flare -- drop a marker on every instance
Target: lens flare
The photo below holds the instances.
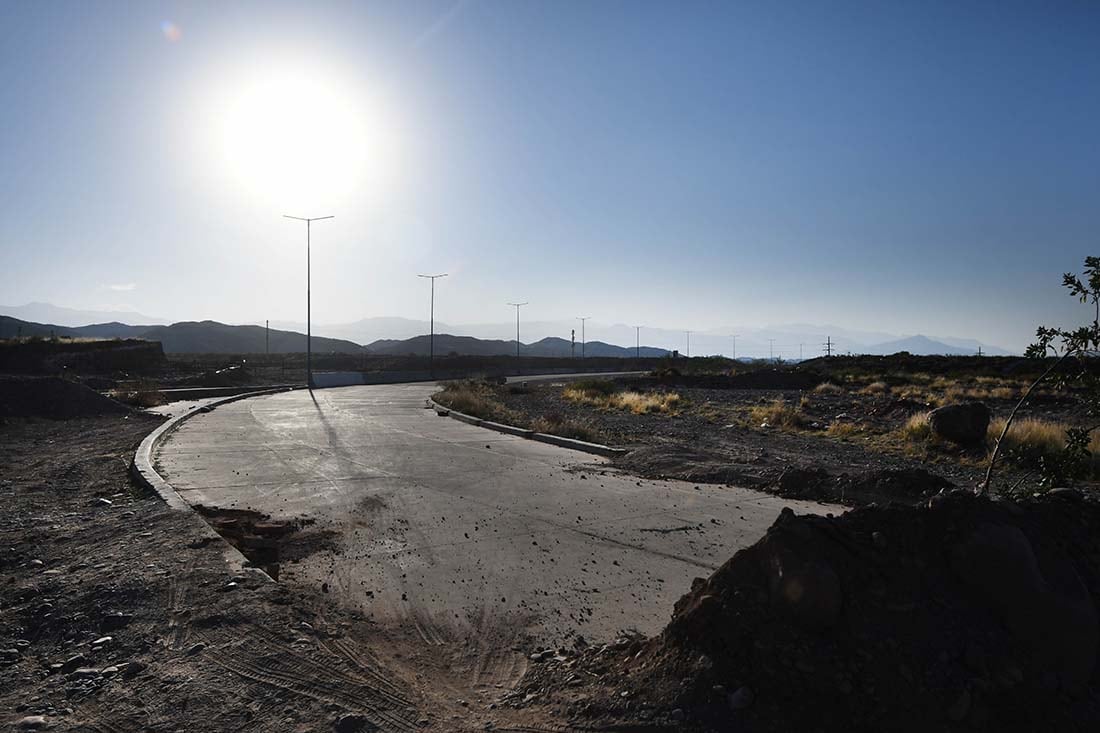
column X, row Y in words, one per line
column 171, row 31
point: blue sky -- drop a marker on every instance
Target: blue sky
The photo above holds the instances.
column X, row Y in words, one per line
column 922, row 167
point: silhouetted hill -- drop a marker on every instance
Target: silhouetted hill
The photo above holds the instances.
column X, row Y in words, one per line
column 187, row 337
column 919, row 345
column 470, row 346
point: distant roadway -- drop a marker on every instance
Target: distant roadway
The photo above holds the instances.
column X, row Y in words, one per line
column 458, row 530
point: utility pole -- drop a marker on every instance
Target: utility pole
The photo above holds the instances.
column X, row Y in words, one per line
column 828, row 346
column 582, row 319
column 800, row 351
column 517, row 306
column 734, row 337
column 267, row 338
column 309, row 334
column 637, row 342
column 688, row 343
column 979, row 350
column 431, row 327
column 771, row 349
column 572, row 343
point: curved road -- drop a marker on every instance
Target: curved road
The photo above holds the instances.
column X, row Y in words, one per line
column 462, row 532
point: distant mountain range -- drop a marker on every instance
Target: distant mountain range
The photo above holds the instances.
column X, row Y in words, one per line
column 49, row 313
column 393, row 335
column 188, row 337
column 555, row 347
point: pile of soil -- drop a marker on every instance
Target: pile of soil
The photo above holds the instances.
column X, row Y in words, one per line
column 53, row 398
column 959, row 614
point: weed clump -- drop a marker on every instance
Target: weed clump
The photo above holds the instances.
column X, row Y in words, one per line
column 476, row 398
column 606, row 395
column 917, row 428
column 555, row 424
column 778, row 414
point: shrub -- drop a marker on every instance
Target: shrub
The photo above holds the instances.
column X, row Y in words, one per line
column 875, row 388
column 828, row 388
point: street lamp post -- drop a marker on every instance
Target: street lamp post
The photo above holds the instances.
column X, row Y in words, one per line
column 309, row 334
column 517, row 306
column 637, row 342
column 582, row 319
column 431, row 337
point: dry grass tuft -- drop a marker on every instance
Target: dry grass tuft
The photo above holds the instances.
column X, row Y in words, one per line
column 474, row 398
column 639, row 403
column 828, row 388
column 1032, row 438
column 777, row 414
column 875, row 388
column 557, row 425
column 842, row 430
column 916, row 429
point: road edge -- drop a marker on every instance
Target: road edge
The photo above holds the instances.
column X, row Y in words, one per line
column 584, row 446
column 143, row 472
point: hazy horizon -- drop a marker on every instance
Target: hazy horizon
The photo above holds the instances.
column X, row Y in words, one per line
column 927, row 170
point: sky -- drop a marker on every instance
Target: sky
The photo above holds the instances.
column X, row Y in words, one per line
column 901, row 167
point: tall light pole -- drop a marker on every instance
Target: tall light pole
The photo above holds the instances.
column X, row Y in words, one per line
column 517, row 306
column 688, row 343
column 582, row 319
column 309, row 334
column 431, row 327
column 637, row 342
column 734, row 337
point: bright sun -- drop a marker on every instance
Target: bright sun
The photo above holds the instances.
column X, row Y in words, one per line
column 296, row 141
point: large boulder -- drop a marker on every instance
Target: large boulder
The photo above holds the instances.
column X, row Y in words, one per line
column 965, row 423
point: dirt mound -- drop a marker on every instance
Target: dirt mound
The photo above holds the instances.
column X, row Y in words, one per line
column 960, row 614
column 53, row 398
column 880, row 485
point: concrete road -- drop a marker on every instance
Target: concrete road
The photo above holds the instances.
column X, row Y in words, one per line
column 462, row 532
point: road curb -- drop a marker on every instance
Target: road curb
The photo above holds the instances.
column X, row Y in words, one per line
column 143, row 472
column 572, row 443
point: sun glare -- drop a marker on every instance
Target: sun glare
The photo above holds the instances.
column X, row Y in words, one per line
column 296, row 140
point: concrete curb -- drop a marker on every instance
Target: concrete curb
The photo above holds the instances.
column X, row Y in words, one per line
column 571, row 443
column 141, row 469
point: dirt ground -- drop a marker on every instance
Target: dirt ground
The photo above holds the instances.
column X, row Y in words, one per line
column 712, row 437
column 119, row 615
column 947, row 612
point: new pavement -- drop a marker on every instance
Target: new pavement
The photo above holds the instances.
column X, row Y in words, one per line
column 460, row 531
